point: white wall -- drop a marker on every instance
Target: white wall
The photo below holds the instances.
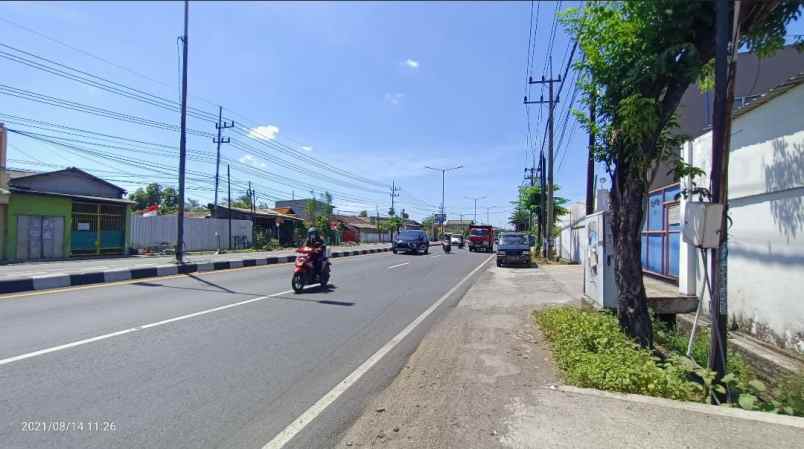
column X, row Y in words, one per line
column 766, row 204
column 199, row 233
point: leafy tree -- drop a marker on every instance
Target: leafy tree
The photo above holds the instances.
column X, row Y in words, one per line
column 640, row 58
column 427, row 225
column 170, row 201
column 363, row 213
column 152, row 194
column 405, row 215
column 243, row 201
column 520, row 218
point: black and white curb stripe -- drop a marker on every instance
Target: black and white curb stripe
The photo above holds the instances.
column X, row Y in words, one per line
column 71, row 280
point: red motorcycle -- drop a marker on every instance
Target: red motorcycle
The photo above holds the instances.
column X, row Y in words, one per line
column 304, row 272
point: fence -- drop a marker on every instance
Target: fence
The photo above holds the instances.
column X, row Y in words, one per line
column 199, row 233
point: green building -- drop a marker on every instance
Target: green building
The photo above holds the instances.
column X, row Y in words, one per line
column 61, row 214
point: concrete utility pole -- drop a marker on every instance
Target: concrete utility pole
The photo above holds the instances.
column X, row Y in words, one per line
column 726, row 37
column 394, row 194
column 529, row 176
column 475, row 200
column 182, row 141
column 543, row 208
column 590, row 161
column 220, row 126
column 551, row 102
column 229, row 183
column 443, row 175
column 250, row 194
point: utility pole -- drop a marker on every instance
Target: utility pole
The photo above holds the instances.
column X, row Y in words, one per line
column 229, row 184
column 394, row 194
column 590, row 161
column 475, row 200
column 543, row 208
column 443, row 176
column 379, row 235
column 529, row 176
column 250, row 195
column 220, row 126
column 551, row 102
column 726, row 35
column 182, row 141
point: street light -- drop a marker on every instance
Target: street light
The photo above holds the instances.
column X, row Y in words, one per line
column 488, row 220
column 443, row 175
column 475, row 200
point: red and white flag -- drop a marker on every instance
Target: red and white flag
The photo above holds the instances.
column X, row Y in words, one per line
column 151, row 211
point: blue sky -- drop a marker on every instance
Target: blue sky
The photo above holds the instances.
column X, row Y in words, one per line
column 377, row 89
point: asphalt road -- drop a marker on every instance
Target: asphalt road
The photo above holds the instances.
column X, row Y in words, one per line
column 223, row 359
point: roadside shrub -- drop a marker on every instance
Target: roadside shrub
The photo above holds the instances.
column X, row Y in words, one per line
column 592, row 352
column 677, row 343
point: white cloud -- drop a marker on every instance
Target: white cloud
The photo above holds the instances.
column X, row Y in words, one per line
column 412, row 63
column 251, row 160
column 307, row 148
column 264, row 132
column 394, row 98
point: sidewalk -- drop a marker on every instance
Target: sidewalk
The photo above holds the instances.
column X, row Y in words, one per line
column 484, row 378
column 44, row 275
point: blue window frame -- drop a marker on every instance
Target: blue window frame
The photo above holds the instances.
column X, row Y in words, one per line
column 660, row 233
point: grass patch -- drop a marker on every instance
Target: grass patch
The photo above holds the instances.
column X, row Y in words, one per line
column 592, row 352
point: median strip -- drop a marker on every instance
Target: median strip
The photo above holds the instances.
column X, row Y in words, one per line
column 30, row 283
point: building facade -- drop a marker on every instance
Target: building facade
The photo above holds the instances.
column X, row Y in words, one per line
column 765, row 257
column 64, row 213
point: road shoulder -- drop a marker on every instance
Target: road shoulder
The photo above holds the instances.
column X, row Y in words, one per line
column 484, row 378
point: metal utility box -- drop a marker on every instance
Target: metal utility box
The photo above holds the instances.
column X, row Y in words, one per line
column 599, row 284
column 702, row 224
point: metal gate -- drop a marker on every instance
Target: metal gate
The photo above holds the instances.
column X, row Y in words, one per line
column 97, row 229
column 40, row 237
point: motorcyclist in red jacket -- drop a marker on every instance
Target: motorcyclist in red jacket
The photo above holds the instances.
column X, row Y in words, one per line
column 317, row 245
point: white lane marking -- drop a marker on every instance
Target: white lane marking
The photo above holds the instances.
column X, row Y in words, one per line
column 133, row 329
column 397, row 265
column 283, row 437
column 436, row 255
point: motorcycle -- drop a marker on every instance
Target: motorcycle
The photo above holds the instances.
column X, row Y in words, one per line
column 446, row 245
column 304, row 271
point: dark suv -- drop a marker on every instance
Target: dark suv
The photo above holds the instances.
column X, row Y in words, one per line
column 411, row 241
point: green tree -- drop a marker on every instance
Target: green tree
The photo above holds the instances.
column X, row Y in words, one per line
column 170, row 201
column 243, row 201
column 363, row 213
column 640, row 58
column 152, row 194
column 427, row 225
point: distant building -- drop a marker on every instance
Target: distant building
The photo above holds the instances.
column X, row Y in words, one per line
column 299, row 207
column 457, row 226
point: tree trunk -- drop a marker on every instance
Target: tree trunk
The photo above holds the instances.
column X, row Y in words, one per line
column 627, row 201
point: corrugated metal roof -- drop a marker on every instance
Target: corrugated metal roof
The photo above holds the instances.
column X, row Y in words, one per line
column 780, row 89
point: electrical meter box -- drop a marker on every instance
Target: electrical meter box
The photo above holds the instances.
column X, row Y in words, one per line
column 702, row 224
column 599, row 285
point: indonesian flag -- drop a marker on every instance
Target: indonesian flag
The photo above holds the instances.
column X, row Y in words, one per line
column 151, row 211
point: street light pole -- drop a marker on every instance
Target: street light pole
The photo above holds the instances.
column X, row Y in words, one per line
column 443, row 176
column 488, row 220
column 475, row 200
